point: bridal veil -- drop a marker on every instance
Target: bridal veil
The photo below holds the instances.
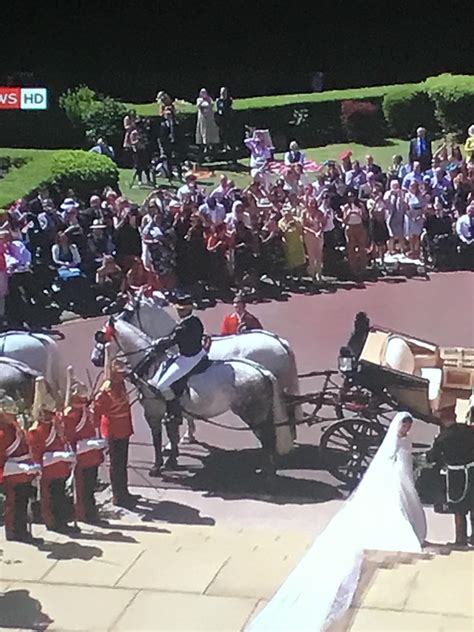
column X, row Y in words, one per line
column 384, row 513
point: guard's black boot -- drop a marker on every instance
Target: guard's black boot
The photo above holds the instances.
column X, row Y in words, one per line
column 460, row 522
column 156, row 436
column 173, row 412
column 173, row 422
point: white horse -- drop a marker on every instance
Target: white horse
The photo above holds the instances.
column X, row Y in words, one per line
column 40, row 352
column 241, row 386
column 157, row 318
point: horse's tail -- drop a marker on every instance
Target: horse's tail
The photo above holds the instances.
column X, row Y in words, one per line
column 56, row 371
column 293, row 385
column 283, row 431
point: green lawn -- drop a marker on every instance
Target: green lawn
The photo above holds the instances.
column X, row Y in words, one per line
column 151, row 109
column 20, row 181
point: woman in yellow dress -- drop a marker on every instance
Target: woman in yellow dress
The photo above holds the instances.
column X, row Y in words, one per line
column 292, row 230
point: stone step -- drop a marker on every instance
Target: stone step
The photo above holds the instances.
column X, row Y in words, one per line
column 441, row 585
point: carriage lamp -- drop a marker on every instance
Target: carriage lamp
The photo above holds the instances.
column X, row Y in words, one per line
column 347, row 361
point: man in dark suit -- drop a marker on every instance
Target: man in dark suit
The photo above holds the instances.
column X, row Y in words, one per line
column 170, row 144
column 420, row 149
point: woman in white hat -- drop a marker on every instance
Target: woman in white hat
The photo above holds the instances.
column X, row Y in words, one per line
column 99, row 242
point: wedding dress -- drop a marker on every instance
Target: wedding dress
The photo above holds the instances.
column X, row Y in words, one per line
column 384, row 513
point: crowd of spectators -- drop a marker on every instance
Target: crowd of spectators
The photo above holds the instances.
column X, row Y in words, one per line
column 344, row 220
column 159, row 147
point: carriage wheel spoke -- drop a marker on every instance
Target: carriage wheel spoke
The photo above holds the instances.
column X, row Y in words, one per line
column 359, row 440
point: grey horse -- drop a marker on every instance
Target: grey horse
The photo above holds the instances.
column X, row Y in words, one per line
column 17, row 380
column 241, row 386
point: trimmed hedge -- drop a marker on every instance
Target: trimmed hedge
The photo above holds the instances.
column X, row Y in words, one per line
column 453, row 98
column 84, row 172
column 48, row 129
column 312, row 119
column 282, row 100
column 406, row 109
column 362, row 122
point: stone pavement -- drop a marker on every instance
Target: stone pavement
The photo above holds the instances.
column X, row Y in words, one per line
column 160, row 577
column 142, row 577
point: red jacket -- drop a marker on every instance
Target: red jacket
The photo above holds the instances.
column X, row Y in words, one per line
column 49, row 449
column 112, row 409
column 16, row 463
column 234, row 324
column 81, row 432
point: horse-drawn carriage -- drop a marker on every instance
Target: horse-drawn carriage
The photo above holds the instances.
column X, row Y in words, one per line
column 380, row 372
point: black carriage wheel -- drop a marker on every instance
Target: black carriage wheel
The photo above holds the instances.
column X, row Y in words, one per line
column 351, row 445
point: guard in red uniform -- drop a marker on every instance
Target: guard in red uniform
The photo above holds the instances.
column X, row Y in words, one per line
column 49, row 448
column 240, row 320
column 17, row 472
column 81, row 432
column 112, row 410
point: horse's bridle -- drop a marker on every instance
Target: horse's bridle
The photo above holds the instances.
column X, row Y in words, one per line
column 111, row 335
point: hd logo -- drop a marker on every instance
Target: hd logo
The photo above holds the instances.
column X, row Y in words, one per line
column 23, row 98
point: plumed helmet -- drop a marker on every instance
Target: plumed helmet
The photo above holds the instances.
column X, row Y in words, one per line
column 79, row 389
column 42, row 401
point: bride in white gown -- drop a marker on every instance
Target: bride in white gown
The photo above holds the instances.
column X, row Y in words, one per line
column 384, row 513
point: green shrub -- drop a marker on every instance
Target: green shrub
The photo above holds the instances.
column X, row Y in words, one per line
column 362, row 122
column 95, row 115
column 406, row 109
column 453, row 98
column 84, row 172
column 77, row 103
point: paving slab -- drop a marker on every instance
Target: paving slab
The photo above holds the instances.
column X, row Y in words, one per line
column 180, row 612
column 388, row 588
column 431, row 593
column 257, row 575
column 367, row 620
column 92, row 565
column 457, row 624
column 24, row 562
column 184, row 569
column 67, row 607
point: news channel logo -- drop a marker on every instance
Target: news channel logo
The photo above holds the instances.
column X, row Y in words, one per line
column 23, row 98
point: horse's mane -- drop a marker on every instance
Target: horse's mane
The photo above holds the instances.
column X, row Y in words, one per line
column 142, row 336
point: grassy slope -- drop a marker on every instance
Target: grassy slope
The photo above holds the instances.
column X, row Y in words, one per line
column 20, row 181
column 151, row 109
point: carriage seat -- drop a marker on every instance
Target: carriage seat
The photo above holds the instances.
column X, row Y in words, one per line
column 399, row 356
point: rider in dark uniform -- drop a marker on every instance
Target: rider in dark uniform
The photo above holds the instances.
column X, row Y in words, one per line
column 188, row 337
column 454, row 449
